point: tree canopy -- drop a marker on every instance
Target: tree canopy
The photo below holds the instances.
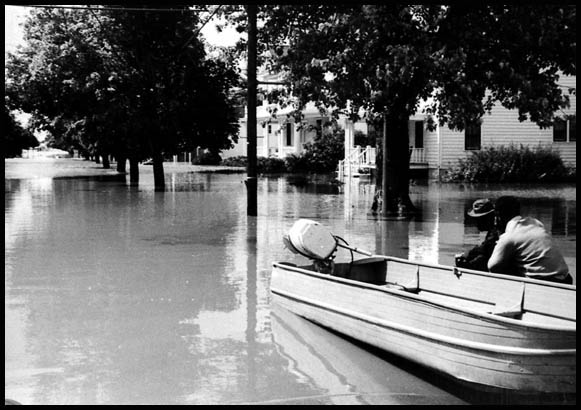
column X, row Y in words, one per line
column 387, row 58
column 135, row 84
column 15, row 138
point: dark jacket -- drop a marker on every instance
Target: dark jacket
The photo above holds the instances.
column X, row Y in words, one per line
column 477, row 257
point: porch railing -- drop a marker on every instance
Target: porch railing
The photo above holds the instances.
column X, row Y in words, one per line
column 358, row 160
column 363, row 158
column 417, row 155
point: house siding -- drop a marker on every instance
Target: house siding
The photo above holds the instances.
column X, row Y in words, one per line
column 502, row 127
column 431, row 148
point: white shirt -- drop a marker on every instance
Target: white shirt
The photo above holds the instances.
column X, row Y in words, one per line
column 526, row 249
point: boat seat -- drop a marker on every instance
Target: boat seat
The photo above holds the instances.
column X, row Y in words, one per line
column 410, row 287
column 510, row 304
column 515, row 313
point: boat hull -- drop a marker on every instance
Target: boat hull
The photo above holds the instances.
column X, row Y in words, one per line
column 478, row 348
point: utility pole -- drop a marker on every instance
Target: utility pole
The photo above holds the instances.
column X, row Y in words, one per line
column 251, row 180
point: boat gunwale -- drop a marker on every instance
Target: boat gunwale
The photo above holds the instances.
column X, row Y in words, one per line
column 440, row 338
column 460, row 309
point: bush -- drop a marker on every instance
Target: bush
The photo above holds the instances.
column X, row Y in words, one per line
column 324, row 153
column 207, row 158
column 263, row 165
column 320, row 156
column 510, row 164
column 296, row 163
column 239, row 161
column 270, row 165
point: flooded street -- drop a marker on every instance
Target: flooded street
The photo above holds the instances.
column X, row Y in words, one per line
column 122, row 295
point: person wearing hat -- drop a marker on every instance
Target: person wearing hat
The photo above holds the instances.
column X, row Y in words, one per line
column 477, row 258
column 525, row 248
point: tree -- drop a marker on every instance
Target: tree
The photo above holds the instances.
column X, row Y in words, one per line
column 387, row 58
column 134, row 83
column 15, row 138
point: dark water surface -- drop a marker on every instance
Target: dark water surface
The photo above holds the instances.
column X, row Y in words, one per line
column 123, row 295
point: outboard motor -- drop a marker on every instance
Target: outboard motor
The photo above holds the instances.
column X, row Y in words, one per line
column 313, row 241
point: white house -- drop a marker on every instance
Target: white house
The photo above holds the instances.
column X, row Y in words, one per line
column 435, row 151
column 279, row 135
column 442, row 148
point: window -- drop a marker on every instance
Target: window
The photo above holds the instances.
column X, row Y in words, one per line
column 319, row 128
column 419, row 137
column 269, row 129
column 565, row 130
column 289, row 135
column 560, row 130
column 472, row 137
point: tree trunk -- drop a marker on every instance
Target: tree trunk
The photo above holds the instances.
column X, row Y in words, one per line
column 133, row 171
column 106, row 163
column 393, row 198
column 121, row 163
column 158, row 175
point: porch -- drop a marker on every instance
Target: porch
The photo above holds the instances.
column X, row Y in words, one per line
column 361, row 161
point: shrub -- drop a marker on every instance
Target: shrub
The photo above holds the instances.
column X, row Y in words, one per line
column 319, row 156
column 510, row 164
column 296, row 163
column 239, row 161
column 263, row 165
column 270, row 165
column 325, row 151
column 207, row 158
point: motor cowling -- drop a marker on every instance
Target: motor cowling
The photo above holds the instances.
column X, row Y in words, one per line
column 311, row 239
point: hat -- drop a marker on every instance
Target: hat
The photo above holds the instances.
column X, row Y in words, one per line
column 481, row 207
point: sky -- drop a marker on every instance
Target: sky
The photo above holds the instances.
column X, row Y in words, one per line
column 13, row 15
column 12, row 32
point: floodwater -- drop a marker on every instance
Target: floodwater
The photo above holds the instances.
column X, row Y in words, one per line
column 122, row 295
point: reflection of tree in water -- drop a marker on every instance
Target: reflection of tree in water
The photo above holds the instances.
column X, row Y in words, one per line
column 106, row 306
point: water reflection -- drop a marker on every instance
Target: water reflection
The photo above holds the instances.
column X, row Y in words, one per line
column 118, row 294
column 345, row 373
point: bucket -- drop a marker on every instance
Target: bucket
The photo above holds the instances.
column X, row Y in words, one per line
column 312, row 239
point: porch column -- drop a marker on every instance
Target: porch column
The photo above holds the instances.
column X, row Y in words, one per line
column 297, row 138
column 281, row 137
column 265, row 137
column 349, row 137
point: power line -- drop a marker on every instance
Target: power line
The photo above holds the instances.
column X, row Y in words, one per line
column 200, row 29
column 104, row 8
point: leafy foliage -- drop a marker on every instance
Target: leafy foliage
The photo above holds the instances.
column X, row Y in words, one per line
column 387, row 58
column 325, row 151
column 14, row 137
column 207, row 158
column 137, row 84
column 319, row 156
column 238, row 161
column 296, row 163
column 510, row 164
column 270, row 165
